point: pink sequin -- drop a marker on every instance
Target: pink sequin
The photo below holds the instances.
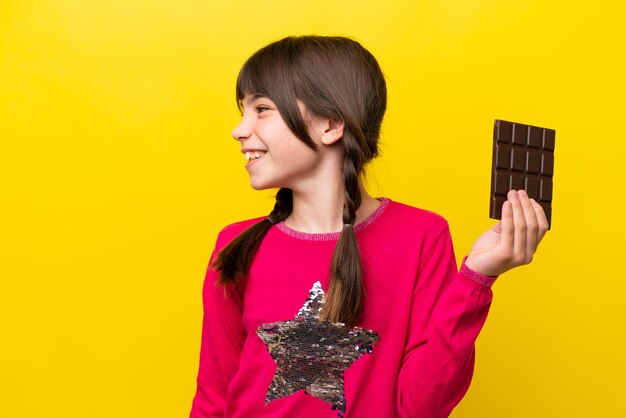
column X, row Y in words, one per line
column 486, row 281
column 330, row 236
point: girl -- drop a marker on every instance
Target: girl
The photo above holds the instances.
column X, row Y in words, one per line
column 339, row 303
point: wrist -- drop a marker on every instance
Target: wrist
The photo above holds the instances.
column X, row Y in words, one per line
column 477, row 263
column 470, row 272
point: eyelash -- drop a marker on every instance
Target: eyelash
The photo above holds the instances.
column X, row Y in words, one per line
column 261, row 109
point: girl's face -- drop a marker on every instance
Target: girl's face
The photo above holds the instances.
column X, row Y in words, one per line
column 274, row 156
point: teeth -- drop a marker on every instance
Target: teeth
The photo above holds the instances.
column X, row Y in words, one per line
column 249, row 156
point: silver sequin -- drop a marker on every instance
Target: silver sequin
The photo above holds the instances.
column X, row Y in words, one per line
column 311, row 354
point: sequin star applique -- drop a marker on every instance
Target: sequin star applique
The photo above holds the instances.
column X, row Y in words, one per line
column 311, row 354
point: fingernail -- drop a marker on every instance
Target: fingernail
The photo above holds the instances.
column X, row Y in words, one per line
column 523, row 193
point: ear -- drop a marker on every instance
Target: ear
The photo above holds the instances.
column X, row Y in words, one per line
column 333, row 131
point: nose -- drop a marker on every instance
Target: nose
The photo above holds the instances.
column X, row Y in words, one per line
column 242, row 130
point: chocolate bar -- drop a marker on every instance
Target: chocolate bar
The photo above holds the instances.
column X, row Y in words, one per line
column 523, row 158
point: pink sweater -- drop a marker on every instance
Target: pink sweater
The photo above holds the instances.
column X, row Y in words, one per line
column 412, row 354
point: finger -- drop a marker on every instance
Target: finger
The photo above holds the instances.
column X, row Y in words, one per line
column 530, row 218
column 507, row 229
column 542, row 220
column 519, row 223
column 497, row 228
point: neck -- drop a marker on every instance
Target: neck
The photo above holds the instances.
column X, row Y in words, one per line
column 321, row 209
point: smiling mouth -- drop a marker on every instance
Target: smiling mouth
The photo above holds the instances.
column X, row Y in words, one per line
column 252, row 156
column 253, row 159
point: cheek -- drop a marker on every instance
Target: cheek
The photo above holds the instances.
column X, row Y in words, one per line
column 273, row 134
column 299, row 153
column 284, row 142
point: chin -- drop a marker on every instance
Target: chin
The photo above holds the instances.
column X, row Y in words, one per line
column 257, row 185
column 261, row 186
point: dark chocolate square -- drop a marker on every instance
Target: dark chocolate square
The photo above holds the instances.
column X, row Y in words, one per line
column 520, row 134
column 523, row 158
column 518, row 160
column 535, row 137
column 533, row 162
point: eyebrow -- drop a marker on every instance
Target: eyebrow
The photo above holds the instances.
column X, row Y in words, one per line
column 255, row 97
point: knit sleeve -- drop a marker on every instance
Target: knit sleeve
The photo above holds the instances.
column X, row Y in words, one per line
column 448, row 311
column 222, row 341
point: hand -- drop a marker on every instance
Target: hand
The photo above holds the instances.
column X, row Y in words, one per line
column 512, row 241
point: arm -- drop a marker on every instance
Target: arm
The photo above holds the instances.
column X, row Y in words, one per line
column 439, row 355
column 448, row 311
column 222, row 341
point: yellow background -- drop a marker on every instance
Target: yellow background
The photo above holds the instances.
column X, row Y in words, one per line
column 117, row 170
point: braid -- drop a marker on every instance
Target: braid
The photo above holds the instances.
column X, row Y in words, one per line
column 234, row 260
column 344, row 302
column 283, row 206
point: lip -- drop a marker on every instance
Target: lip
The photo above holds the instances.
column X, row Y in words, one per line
column 248, row 164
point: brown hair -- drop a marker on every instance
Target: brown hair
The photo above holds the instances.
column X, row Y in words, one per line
column 334, row 77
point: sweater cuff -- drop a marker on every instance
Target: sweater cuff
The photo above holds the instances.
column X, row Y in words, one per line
column 477, row 277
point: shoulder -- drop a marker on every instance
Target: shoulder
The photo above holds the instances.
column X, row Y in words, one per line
column 414, row 219
column 230, row 231
column 415, row 230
